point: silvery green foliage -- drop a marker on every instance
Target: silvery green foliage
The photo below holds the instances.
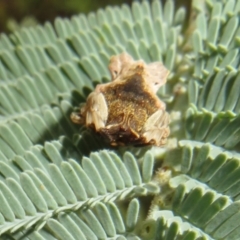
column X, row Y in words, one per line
column 59, row 181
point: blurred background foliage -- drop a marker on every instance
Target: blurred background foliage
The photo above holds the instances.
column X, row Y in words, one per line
column 18, row 13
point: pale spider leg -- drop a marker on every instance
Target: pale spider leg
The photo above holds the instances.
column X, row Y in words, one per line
column 96, row 110
column 156, row 127
column 157, row 75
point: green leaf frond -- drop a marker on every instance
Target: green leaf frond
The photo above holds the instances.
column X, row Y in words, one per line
column 99, row 221
column 219, row 93
column 42, row 184
column 198, row 195
column 167, row 226
column 215, row 40
column 221, row 129
column 60, row 181
column 205, row 164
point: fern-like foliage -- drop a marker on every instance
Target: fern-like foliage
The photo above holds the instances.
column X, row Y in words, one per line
column 61, row 181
